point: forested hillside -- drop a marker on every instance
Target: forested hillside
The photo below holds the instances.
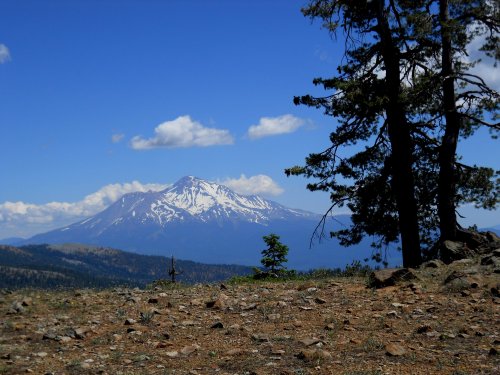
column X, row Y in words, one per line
column 48, row 266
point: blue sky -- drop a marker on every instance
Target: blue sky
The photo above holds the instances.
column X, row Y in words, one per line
column 100, row 98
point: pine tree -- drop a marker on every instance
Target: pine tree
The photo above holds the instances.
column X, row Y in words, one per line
column 468, row 20
column 388, row 95
column 274, row 257
column 368, row 108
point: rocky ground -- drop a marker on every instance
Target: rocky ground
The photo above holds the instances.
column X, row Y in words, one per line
column 445, row 321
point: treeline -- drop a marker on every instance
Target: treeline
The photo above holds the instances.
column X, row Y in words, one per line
column 53, row 278
column 45, row 266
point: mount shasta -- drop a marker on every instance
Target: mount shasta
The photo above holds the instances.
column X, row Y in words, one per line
column 205, row 222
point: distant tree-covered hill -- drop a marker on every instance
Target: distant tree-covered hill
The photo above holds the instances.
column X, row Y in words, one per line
column 495, row 229
column 75, row 265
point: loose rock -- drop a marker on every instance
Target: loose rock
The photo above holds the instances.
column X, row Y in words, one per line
column 394, row 349
column 390, row 276
column 310, row 355
column 187, row 350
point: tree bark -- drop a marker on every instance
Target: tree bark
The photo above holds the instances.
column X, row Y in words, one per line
column 447, row 152
column 402, row 181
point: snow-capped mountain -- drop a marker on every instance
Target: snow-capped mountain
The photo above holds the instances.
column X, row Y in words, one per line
column 189, row 200
column 208, row 201
column 198, row 220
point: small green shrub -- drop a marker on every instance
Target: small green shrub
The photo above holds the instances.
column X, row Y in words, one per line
column 146, row 317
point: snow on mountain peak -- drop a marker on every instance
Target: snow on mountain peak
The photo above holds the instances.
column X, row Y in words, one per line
column 190, row 199
column 198, row 197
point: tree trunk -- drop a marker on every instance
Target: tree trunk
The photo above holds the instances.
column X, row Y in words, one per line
column 402, row 182
column 447, row 152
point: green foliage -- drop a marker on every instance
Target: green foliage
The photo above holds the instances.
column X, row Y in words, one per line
column 359, row 97
column 372, row 344
column 355, row 269
column 146, row 318
column 274, row 257
column 79, row 266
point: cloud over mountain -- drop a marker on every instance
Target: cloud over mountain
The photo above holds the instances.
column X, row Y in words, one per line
column 254, row 185
column 20, row 218
column 182, row 132
column 24, row 219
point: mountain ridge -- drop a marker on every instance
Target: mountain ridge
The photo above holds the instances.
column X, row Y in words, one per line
column 206, row 222
column 191, row 199
column 78, row 265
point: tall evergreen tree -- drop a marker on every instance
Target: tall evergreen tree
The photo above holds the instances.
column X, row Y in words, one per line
column 471, row 19
column 368, row 106
column 450, row 99
column 389, row 95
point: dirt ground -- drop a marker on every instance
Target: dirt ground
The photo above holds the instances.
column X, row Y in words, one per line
column 431, row 325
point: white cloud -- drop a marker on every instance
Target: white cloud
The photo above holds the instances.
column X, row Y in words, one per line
column 489, row 73
column 258, row 185
column 4, row 54
column 269, row 126
column 117, row 138
column 486, row 68
column 21, row 219
column 183, row 132
column 26, row 219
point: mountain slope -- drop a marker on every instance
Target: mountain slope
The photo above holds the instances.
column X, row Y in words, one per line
column 205, row 222
column 189, row 200
column 11, row 241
